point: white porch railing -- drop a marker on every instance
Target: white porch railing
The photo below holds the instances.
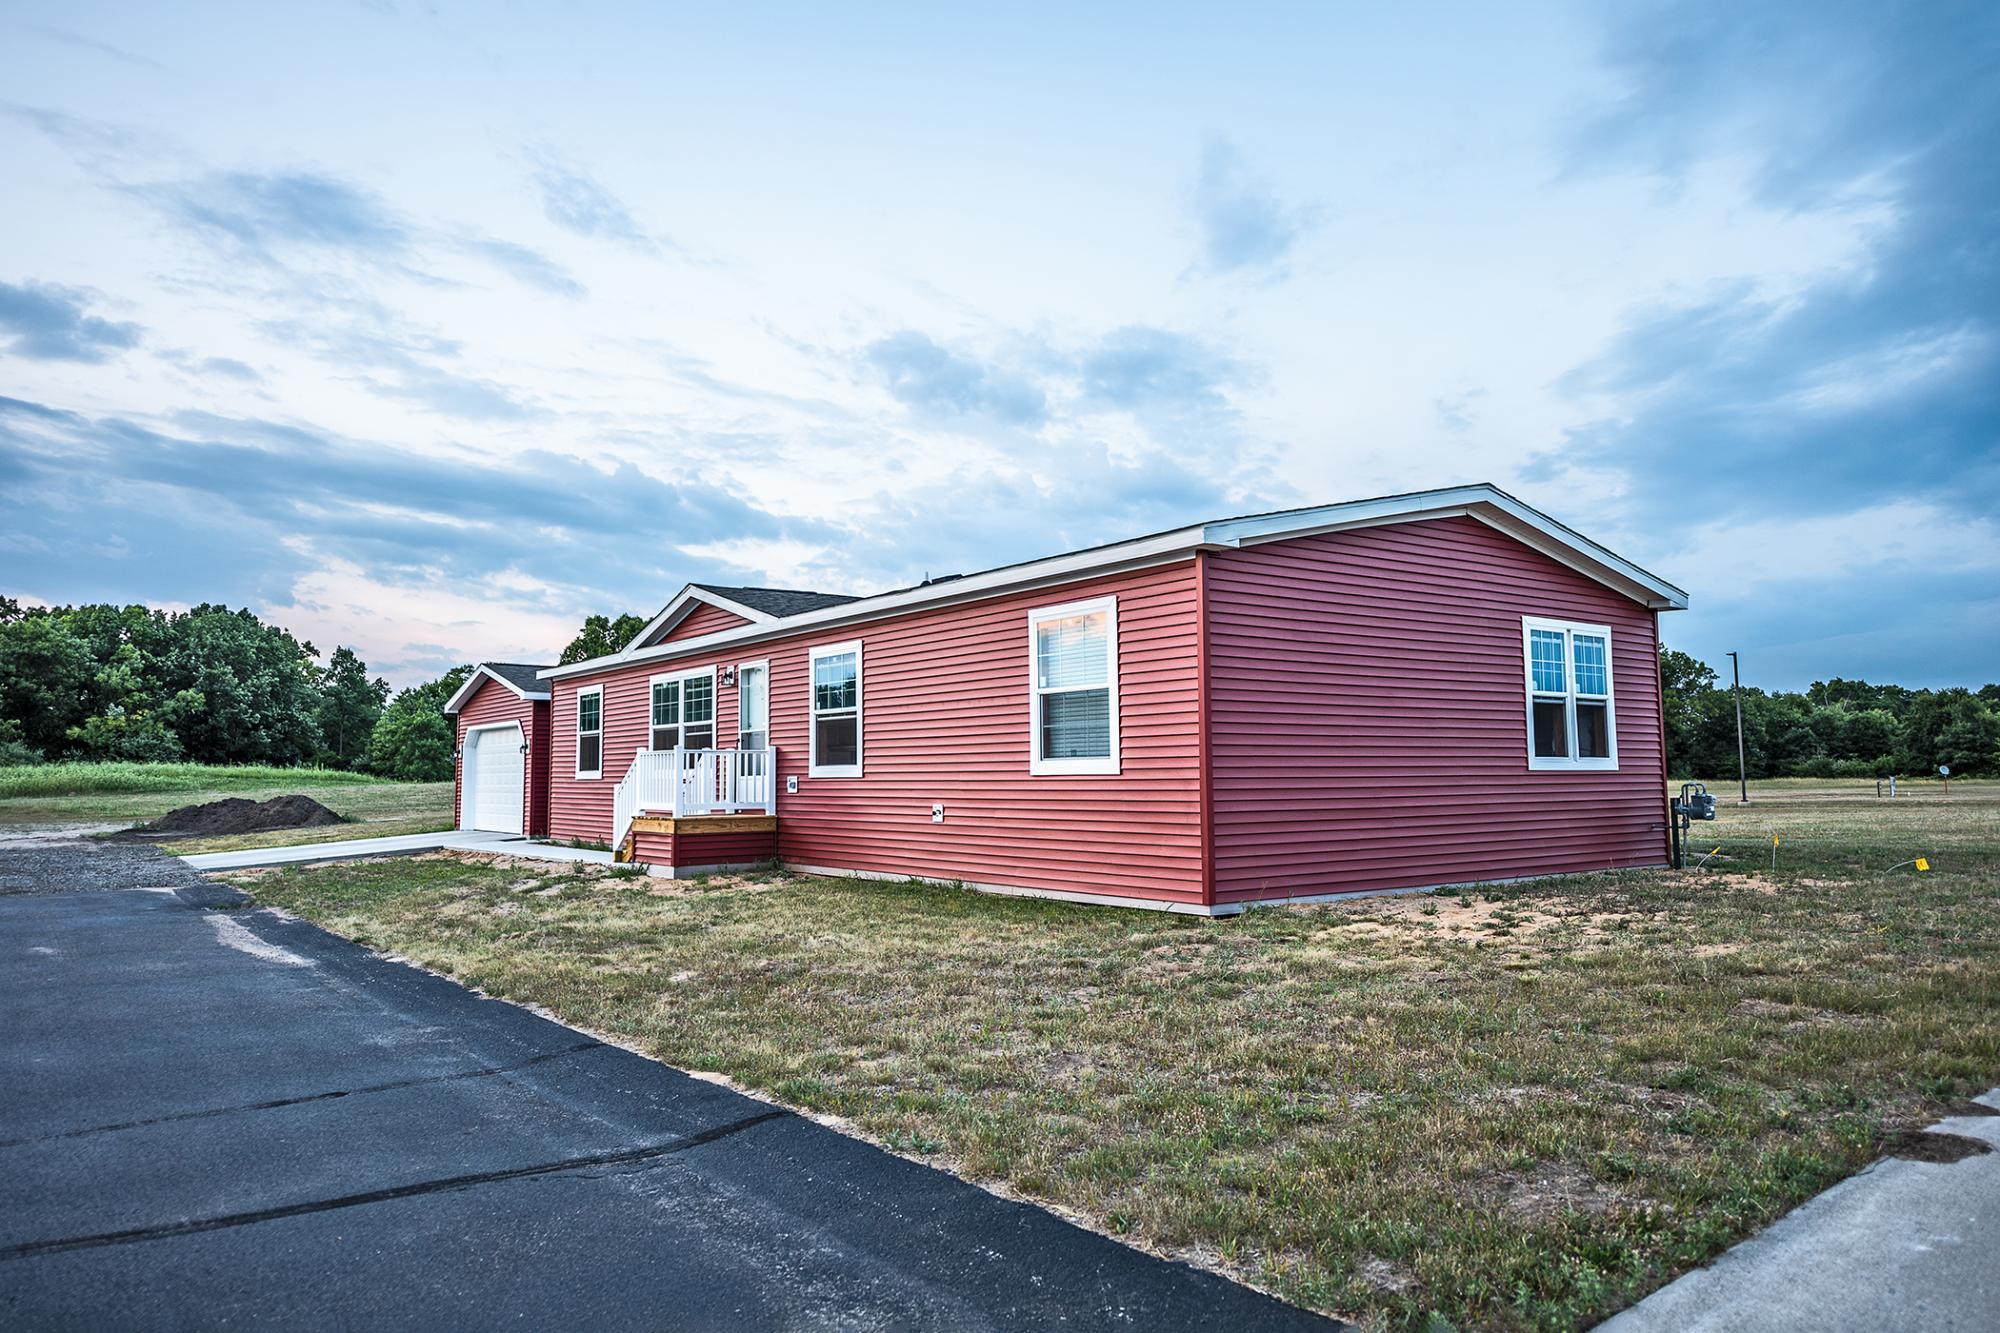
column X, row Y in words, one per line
column 624, row 806
column 715, row 782
column 694, row 782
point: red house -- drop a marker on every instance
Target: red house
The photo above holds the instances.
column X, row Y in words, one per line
column 1425, row 689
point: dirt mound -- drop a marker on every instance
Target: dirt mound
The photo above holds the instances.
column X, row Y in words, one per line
column 236, row 815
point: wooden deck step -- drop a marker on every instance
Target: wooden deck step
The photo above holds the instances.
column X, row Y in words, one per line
column 705, row 824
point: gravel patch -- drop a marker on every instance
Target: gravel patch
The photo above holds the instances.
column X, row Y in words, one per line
column 62, row 861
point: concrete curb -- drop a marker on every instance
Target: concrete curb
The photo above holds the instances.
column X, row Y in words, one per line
column 1900, row 1245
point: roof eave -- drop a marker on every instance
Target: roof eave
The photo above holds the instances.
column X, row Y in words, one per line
column 973, row 587
column 1482, row 501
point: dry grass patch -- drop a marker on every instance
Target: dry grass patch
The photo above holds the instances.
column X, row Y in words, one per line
column 1522, row 1107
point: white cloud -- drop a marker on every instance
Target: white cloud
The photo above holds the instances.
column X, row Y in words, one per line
column 412, row 632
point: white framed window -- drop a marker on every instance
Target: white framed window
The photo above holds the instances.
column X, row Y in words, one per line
column 1571, row 721
column 834, row 678
column 753, row 705
column 590, row 732
column 683, row 710
column 1073, row 687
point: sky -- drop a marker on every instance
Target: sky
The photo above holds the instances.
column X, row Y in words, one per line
column 430, row 329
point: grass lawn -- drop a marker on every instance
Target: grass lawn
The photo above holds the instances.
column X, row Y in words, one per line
column 135, row 793
column 1523, row 1107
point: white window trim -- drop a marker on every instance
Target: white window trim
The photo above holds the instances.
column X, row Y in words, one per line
column 761, row 664
column 815, row 769
column 577, row 747
column 714, row 702
column 1568, row 763
column 1108, row 764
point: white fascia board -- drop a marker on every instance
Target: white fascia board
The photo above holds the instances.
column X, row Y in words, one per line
column 684, row 601
column 480, row 675
column 1488, row 504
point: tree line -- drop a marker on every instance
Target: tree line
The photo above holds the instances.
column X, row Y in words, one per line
column 209, row 685
column 213, row 685
column 1834, row 728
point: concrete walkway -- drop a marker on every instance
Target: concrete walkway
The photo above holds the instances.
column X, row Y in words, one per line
column 408, row 844
column 1903, row 1244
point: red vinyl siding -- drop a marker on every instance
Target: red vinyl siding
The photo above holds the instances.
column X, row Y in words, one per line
column 945, row 718
column 1368, row 718
column 704, row 619
column 694, row 850
column 494, row 703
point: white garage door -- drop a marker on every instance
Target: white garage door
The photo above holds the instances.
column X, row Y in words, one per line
column 495, row 771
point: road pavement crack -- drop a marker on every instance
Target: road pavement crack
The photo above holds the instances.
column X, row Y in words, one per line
column 304, row 1099
column 194, row 1226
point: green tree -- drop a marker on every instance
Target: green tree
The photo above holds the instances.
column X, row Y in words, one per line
column 413, row 739
column 48, row 681
column 115, row 733
column 1858, row 694
column 601, row 636
column 1684, row 681
column 135, row 716
column 1792, row 746
column 259, row 704
column 1870, row 736
column 1713, row 752
column 1830, row 725
column 1954, row 727
column 349, row 705
column 1970, row 742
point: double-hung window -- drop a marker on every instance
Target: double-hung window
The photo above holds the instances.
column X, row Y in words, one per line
column 1570, row 718
column 1073, row 688
column 684, row 711
column 753, row 705
column 590, row 732
column 835, row 672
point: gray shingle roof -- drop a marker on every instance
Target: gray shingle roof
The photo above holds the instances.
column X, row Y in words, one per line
column 520, row 675
column 779, row 602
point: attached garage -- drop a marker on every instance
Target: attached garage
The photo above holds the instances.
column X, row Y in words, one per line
column 494, row 788
column 502, row 712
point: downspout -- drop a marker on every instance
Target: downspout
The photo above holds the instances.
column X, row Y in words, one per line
column 1206, row 803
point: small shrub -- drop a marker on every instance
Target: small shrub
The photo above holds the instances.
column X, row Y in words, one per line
column 18, row 754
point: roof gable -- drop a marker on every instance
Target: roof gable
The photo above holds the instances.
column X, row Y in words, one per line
column 519, row 677
column 758, row 606
column 1483, row 501
column 700, row 619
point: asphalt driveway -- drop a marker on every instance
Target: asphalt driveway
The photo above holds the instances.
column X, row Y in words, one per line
column 223, row 1117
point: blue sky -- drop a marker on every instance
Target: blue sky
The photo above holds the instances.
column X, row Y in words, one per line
column 431, row 329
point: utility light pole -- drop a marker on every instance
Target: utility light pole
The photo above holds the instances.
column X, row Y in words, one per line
column 1742, row 768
